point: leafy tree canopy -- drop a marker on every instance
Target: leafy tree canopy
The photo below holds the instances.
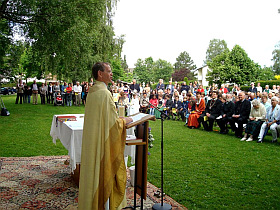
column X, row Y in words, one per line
column 216, row 47
column 67, row 37
column 149, row 70
column 234, row 67
column 144, row 69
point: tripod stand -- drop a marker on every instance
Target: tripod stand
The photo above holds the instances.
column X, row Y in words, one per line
column 161, row 205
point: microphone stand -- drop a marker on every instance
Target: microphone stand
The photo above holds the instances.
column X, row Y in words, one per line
column 161, row 205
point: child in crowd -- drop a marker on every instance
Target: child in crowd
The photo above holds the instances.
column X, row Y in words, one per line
column 168, row 105
column 116, row 96
column 176, row 107
column 184, row 109
column 154, row 102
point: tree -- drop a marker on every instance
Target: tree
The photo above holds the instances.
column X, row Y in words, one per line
column 233, row 67
column 144, row 69
column 184, row 61
column 216, row 47
column 67, row 37
column 162, row 70
column 11, row 62
column 181, row 74
column 276, row 59
column 265, row 73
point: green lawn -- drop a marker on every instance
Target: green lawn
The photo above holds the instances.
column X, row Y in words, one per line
column 202, row 170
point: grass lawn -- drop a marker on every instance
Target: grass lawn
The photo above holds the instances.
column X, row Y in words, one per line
column 202, row 170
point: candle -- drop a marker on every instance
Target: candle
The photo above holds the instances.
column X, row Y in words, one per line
column 121, row 111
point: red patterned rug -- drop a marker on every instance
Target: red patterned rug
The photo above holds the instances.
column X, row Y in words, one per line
column 45, row 183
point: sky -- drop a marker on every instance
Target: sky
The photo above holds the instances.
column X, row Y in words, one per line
column 163, row 29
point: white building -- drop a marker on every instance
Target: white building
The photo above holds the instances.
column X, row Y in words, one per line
column 201, row 75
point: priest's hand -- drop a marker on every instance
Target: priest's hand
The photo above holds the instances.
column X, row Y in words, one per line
column 127, row 120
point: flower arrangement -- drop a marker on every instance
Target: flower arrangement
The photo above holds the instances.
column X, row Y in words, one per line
column 150, row 138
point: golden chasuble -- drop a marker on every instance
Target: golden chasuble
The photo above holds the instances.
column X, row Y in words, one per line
column 103, row 172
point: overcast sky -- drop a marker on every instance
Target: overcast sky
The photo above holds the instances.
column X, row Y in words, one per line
column 164, row 28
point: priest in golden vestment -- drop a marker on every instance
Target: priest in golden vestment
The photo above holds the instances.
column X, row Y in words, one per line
column 103, row 171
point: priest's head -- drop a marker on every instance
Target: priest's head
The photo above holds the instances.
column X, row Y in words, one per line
column 102, row 72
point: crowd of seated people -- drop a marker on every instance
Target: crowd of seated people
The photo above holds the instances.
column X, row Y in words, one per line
column 248, row 114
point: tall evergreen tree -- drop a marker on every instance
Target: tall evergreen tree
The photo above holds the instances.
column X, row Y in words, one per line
column 184, row 61
column 216, row 47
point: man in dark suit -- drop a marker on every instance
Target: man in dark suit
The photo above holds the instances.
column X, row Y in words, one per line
column 160, row 85
column 212, row 111
column 185, row 87
column 253, row 89
column 241, row 114
column 134, row 86
column 227, row 112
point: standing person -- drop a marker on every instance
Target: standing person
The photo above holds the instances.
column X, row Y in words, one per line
column 160, row 85
column 86, row 89
column 241, row 114
column 69, row 94
column 50, row 93
column 43, row 92
column 77, row 91
column 103, row 171
column 259, row 88
column 25, row 90
column 20, row 91
column 134, row 87
column 35, row 89
column 253, row 89
column 63, row 92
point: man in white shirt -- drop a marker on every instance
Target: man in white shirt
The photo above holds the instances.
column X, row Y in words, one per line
column 78, row 91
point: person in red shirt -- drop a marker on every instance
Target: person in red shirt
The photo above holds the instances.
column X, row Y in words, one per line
column 223, row 89
column 154, row 102
column 200, row 89
column 68, row 90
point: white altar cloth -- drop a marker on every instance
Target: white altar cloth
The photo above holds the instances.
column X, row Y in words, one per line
column 70, row 133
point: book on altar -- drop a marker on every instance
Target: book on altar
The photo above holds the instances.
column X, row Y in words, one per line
column 66, row 118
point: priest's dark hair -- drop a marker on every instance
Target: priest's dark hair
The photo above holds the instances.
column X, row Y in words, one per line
column 99, row 66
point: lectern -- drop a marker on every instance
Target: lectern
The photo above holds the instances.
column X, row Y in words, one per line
column 141, row 156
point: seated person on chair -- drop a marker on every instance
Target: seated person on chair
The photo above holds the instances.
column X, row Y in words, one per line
column 271, row 121
column 212, row 111
column 176, row 108
column 227, row 112
column 168, row 106
column 241, row 114
column 144, row 105
column 196, row 111
column 184, row 108
column 256, row 119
